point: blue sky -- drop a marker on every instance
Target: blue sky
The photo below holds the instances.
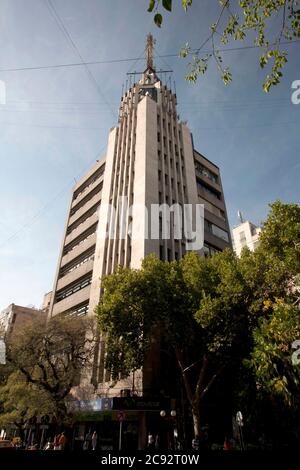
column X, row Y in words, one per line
column 55, row 122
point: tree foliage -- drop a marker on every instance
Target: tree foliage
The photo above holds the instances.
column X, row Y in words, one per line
column 268, row 23
column 276, row 297
column 192, row 305
column 44, row 363
column 212, row 313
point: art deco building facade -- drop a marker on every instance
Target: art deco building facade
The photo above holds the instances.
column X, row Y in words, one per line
column 150, row 159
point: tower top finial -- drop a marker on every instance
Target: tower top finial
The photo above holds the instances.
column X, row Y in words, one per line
column 149, row 51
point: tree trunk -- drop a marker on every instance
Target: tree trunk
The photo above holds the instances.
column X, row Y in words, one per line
column 196, row 421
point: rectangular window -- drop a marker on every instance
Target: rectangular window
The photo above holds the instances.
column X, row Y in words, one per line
column 243, row 240
column 158, row 137
column 216, row 231
column 208, row 189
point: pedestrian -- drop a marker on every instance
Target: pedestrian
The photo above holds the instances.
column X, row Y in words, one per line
column 56, row 442
column 62, row 441
column 94, row 440
column 227, row 444
column 151, row 441
column 48, row 445
column 195, row 443
column 87, row 441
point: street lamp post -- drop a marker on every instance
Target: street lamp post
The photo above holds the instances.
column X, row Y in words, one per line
column 172, row 417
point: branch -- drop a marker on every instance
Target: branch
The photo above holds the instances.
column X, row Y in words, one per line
column 184, row 375
column 208, row 386
column 201, row 377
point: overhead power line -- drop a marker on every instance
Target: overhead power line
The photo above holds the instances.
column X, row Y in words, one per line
column 67, row 35
column 31, row 220
column 111, row 61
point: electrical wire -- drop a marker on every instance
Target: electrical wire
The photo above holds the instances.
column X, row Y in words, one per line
column 111, row 61
column 44, row 208
column 67, row 35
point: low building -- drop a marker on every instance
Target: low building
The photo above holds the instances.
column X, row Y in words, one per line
column 15, row 317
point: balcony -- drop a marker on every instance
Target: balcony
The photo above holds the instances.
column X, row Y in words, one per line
column 82, row 227
column 72, row 301
column 89, row 204
column 79, row 249
column 87, row 191
column 77, row 273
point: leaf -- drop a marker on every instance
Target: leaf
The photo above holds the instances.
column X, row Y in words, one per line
column 151, row 5
column 186, row 4
column 167, row 4
column 158, row 19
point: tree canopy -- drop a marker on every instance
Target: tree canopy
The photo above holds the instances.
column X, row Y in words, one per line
column 268, row 24
column 212, row 313
column 44, row 362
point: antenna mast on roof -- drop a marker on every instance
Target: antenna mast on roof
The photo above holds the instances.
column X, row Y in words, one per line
column 149, row 51
column 240, row 216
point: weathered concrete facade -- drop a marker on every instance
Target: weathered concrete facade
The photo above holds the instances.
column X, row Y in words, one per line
column 150, row 159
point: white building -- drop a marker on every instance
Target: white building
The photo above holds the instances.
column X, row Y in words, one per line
column 245, row 234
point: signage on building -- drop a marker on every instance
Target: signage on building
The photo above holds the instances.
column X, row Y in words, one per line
column 89, row 406
column 140, row 403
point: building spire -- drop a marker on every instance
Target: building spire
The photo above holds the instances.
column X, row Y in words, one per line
column 149, row 51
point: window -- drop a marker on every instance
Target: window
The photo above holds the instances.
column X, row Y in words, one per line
column 77, row 262
column 158, row 137
column 209, row 250
column 72, row 288
column 243, row 240
column 206, row 172
column 216, row 231
column 212, row 208
column 208, row 189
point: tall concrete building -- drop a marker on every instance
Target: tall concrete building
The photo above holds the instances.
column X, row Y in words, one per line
column 150, row 160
